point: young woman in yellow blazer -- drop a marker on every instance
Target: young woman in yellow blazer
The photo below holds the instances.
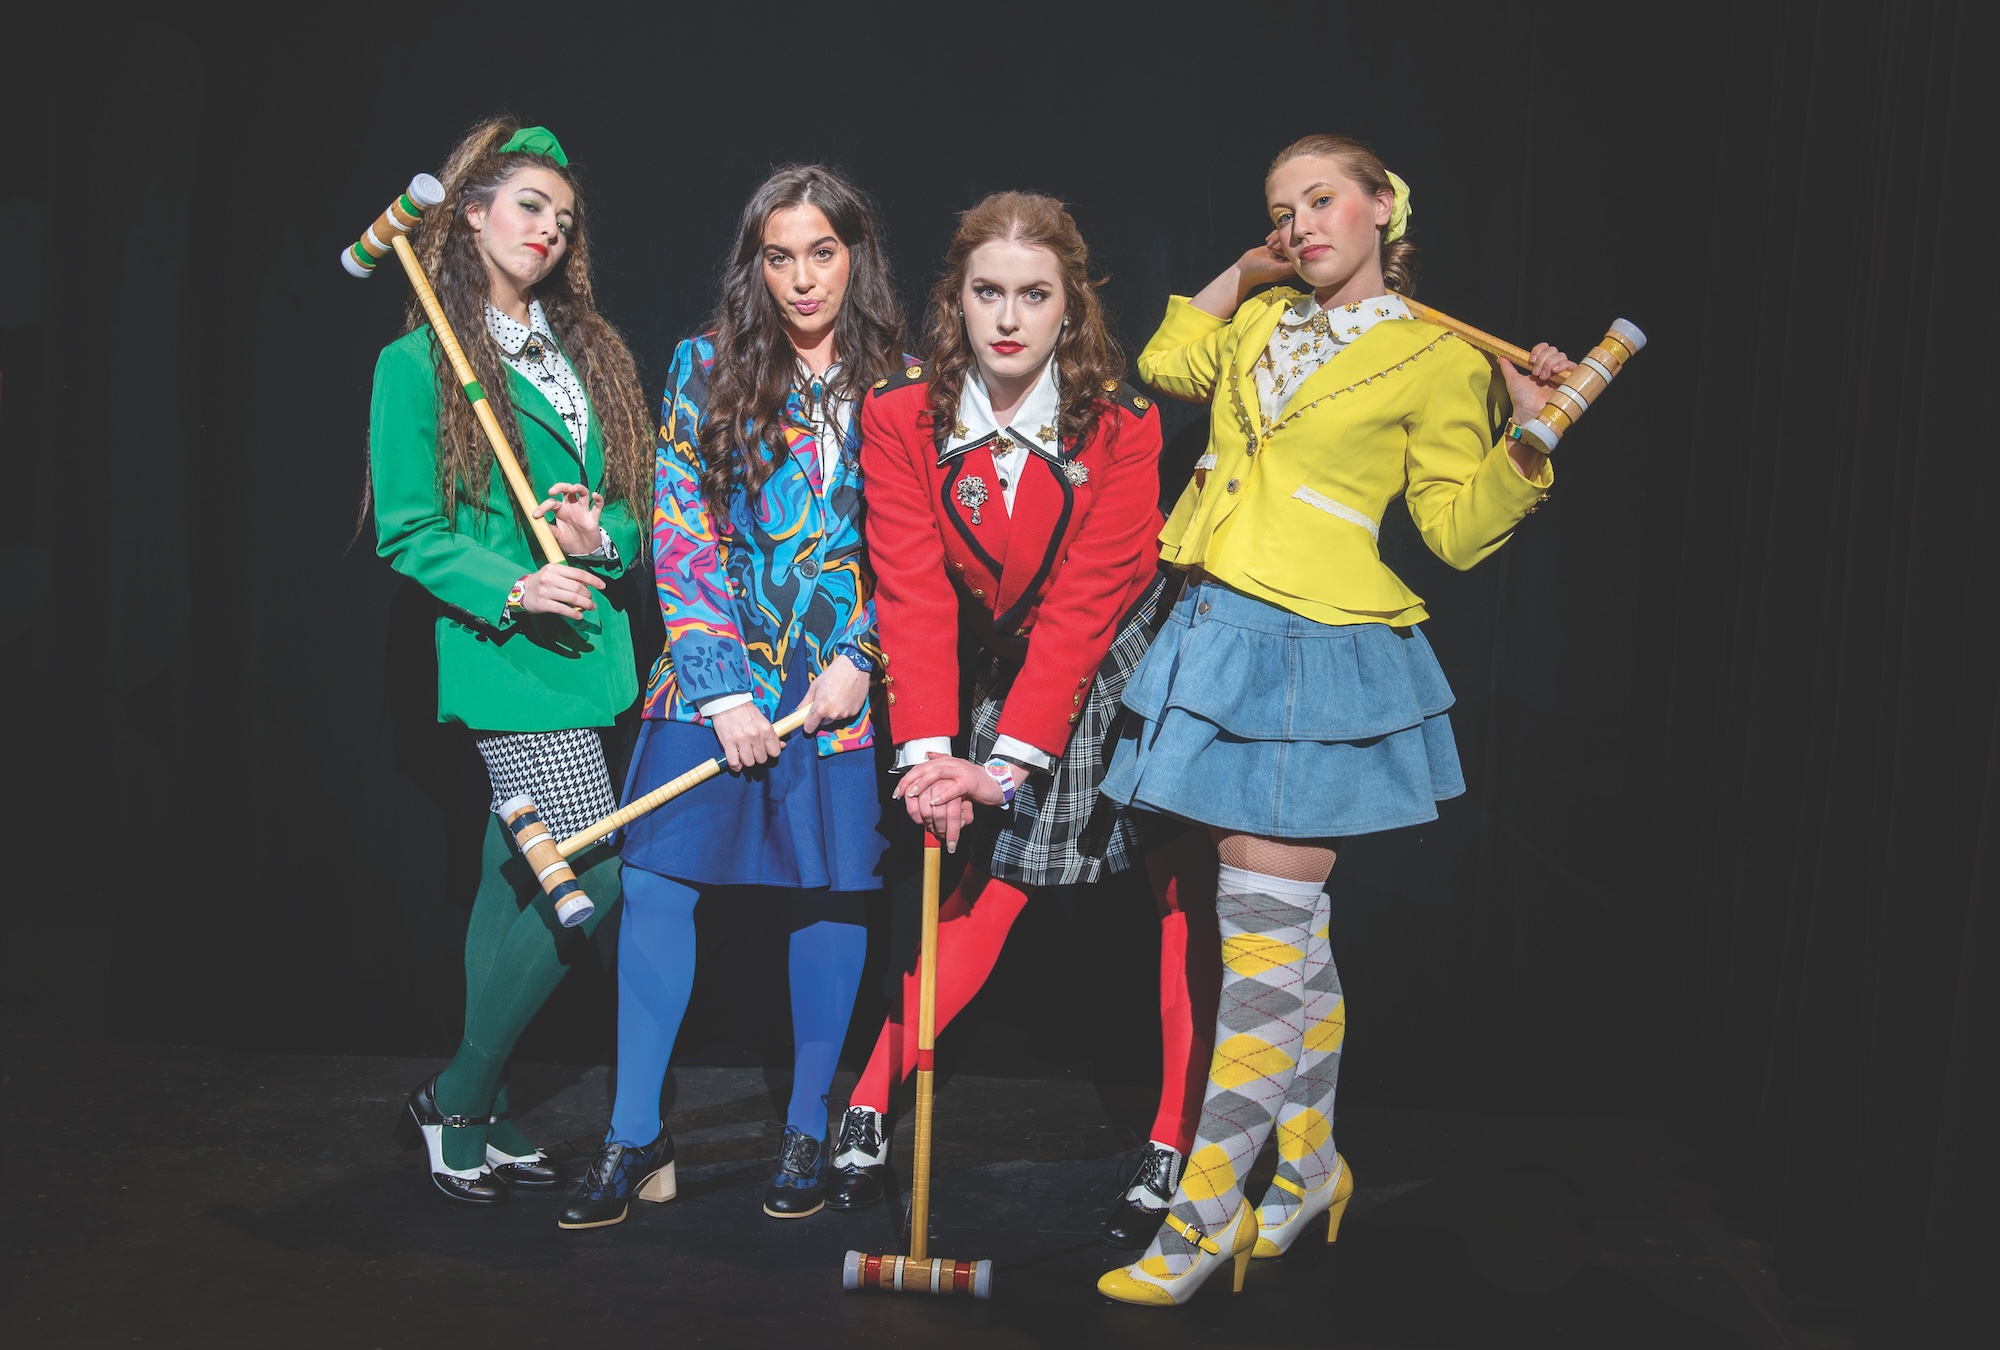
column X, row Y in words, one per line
column 1291, row 699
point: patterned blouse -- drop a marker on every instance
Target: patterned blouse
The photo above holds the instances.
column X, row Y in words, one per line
column 1306, row 338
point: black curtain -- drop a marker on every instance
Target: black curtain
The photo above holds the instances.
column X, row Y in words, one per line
column 1727, row 704
column 1820, row 674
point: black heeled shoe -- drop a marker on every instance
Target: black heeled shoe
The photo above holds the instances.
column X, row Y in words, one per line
column 535, row 1171
column 422, row 1125
column 1141, row 1207
column 799, row 1188
column 860, row 1156
column 617, row 1174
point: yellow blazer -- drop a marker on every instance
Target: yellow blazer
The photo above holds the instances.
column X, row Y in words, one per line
column 1406, row 410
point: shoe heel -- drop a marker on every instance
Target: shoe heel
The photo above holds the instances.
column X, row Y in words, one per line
column 406, row 1132
column 1242, row 1262
column 1333, row 1213
column 659, row 1187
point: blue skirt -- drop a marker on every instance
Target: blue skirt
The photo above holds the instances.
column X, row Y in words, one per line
column 1251, row 718
column 802, row 821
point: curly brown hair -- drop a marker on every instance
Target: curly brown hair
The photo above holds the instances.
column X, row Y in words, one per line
column 475, row 172
column 1357, row 161
column 1088, row 357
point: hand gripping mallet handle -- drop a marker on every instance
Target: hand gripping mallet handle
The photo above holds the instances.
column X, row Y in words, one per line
column 1578, row 390
column 390, row 233
column 919, row 1272
column 551, row 859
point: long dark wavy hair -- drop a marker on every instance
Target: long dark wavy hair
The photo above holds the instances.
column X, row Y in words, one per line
column 754, row 362
column 449, row 251
column 1087, row 355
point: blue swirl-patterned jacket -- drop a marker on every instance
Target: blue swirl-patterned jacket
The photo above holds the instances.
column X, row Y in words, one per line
column 785, row 574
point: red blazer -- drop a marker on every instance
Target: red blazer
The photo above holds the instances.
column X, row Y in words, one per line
column 1045, row 586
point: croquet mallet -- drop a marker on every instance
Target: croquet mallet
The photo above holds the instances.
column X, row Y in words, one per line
column 391, row 234
column 920, row 1272
column 1579, row 389
column 551, row 859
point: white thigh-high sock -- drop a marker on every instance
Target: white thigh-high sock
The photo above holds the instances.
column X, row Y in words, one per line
column 1305, row 1122
column 1260, row 1031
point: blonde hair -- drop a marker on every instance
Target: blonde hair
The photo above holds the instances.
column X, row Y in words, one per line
column 1357, row 161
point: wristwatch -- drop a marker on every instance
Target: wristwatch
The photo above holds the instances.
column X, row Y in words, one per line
column 1002, row 772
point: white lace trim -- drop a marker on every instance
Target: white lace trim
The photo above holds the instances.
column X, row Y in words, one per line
column 1341, row 509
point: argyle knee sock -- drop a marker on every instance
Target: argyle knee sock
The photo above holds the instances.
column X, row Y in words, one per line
column 1305, row 1122
column 1265, row 923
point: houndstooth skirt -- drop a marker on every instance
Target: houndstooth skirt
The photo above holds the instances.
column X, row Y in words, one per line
column 1060, row 831
column 563, row 771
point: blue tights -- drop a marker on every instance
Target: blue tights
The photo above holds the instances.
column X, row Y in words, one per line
column 656, row 973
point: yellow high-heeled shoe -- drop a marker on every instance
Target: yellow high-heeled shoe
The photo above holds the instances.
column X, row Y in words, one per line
column 1147, row 1282
column 1329, row 1199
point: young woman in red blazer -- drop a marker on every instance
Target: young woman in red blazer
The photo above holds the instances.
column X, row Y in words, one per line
column 1013, row 508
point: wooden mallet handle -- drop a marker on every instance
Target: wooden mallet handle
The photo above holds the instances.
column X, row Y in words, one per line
column 666, row 792
column 391, row 234
column 1484, row 341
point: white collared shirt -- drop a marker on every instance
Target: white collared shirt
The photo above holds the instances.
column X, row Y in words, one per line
column 550, row 372
column 1036, row 418
column 1306, row 338
column 830, row 416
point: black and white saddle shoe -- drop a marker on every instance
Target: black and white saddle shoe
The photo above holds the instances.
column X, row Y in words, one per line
column 799, row 1187
column 422, row 1124
column 860, row 1155
column 1138, row 1213
column 617, row 1174
column 535, row 1171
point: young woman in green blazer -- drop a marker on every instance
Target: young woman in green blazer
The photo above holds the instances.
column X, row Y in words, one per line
column 533, row 656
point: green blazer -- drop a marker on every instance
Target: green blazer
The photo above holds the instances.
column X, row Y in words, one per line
column 539, row 672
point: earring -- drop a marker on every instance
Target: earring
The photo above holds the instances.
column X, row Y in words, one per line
column 1065, row 320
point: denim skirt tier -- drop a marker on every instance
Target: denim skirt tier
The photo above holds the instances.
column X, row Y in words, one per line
column 1250, row 718
column 801, row 821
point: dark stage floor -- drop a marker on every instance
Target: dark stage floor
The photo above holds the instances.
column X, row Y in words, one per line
column 203, row 1198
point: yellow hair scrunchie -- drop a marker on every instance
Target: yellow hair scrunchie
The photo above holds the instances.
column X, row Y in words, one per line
column 1399, row 214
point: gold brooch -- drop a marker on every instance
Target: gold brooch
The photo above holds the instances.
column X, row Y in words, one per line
column 1078, row 474
column 960, row 429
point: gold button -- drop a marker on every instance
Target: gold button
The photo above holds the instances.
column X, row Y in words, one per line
column 1140, row 403
column 978, row 594
column 1111, row 386
column 892, row 698
column 915, row 372
column 1233, row 484
column 1073, row 717
column 882, row 383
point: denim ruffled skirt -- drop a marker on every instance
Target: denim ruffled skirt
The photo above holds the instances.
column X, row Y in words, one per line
column 1251, row 718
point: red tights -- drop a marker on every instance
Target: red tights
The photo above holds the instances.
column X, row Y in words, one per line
column 973, row 925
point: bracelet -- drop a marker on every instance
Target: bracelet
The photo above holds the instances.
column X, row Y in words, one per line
column 1001, row 772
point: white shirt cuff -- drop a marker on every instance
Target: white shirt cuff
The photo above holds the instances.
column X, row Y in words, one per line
column 912, row 753
column 721, row 703
column 1008, row 748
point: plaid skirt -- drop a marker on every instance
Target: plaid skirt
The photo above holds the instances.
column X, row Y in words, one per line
column 1060, row 831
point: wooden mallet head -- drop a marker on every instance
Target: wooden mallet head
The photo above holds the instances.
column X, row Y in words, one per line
column 538, row 845
column 1582, row 386
column 909, row 1275
column 403, row 215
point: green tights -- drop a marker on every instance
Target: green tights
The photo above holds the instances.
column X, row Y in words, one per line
column 516, row 953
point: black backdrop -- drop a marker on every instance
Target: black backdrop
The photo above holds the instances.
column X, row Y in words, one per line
column 1727, row 704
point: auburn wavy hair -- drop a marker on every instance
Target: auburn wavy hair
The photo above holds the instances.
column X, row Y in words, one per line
column 475, row 172
column 1087, row 355
column 742, row 432
column 1357, row 161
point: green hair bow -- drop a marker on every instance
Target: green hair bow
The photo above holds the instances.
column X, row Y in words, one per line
column 536, row 141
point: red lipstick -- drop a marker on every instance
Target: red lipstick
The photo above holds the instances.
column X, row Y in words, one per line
column 1007, row 347
column 542, row 249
